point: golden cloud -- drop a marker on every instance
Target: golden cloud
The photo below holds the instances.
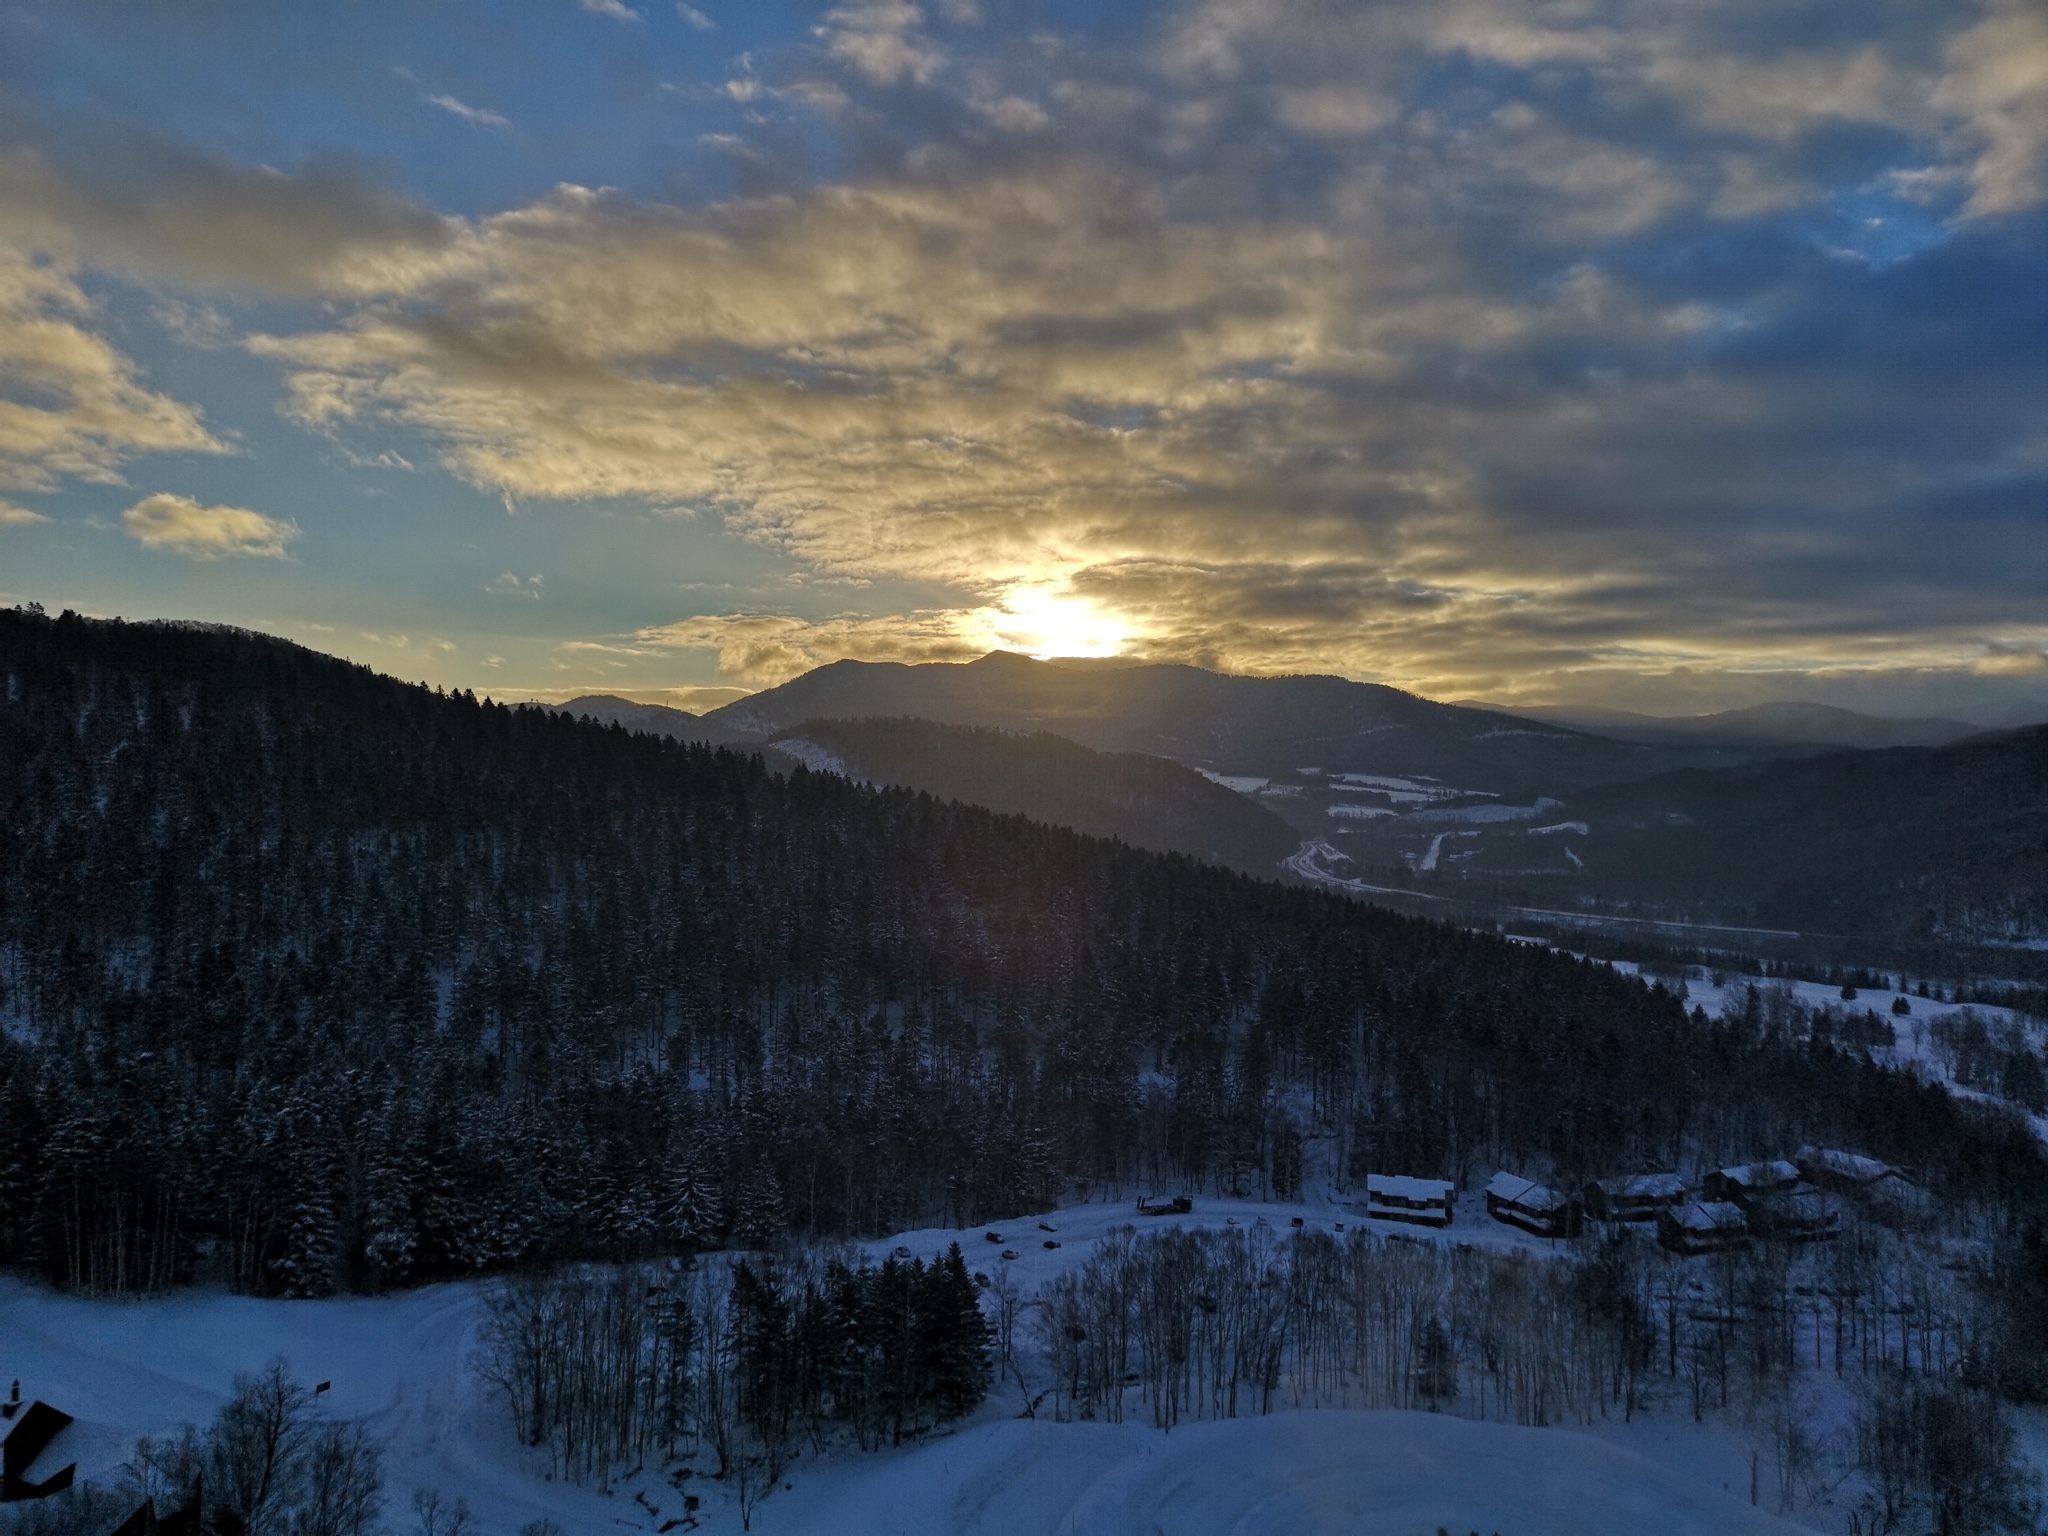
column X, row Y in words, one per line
column 80, row 411
column 184, row 527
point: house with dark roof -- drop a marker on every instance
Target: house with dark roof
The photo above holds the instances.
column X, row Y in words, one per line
column 32, row 1464
column 1702, row 1226
column 1746, row 1181
column 1638, row 1198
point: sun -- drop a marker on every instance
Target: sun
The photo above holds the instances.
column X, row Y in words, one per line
column 1044, row 623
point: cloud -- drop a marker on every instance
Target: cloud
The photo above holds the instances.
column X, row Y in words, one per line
column 766, row 649
column 1997, row 84
column 615, row 9
column 12, row 516
column 477, row 115
column 159, row 212
column 1454, row 343
column 509, row 585
column 72, row 406
column 695, row 17
column 184, row 527
column 881, row 41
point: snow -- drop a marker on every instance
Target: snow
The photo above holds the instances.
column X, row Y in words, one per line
column 1560, row 826
column 1359, row 812
column 401, row 1364
column 1401, row 791
column 1303, row 1474
column 817, row 758
column 1244, row 784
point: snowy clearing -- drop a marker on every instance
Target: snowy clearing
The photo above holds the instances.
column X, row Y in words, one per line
column 1292, row 1474
column 401, row 1364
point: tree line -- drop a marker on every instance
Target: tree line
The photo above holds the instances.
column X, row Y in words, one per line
column 605, row 1371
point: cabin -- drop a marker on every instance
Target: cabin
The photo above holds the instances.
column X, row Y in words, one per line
column 29, row 1468
column 1155, row 1205
column 1641, row 1198
column 1702, row 1226
column 1801, row 1214
column 1425, row 1202
column 1847, row 1173
column 1520, row 1202
column 1746, row 1181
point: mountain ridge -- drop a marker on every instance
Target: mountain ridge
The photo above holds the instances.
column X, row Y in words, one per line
column 1214, row 720
column 1790, row 722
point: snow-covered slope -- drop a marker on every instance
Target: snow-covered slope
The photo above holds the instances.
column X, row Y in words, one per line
column 402, row 1365
column 401, row 1362
column 1293, row 1474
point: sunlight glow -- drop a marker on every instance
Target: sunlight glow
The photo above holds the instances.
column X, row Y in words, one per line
column 1042, row 622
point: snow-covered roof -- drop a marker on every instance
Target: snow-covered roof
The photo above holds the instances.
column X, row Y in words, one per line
column 1762, row 1175
column 1395, row 1186
column 1708, row 1216
column 1527, row 1193
column 1645, row 1186
column 1844, row 1165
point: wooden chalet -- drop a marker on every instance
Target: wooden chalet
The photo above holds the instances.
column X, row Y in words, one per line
column 1425, row 1202
column 1702, row 1226
column 1746, row 1181
column 26, row 1470
column 1801, row 1214
column 1533, row 1207
column 1848, row 1173
column 1640, row 1198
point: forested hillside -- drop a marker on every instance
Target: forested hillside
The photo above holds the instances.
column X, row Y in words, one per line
column 317, row 979
column 1147, row 801
column 1912, row 846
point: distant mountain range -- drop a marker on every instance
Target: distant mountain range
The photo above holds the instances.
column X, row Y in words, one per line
column 1927, row 832
column 1793, row 724
column 655, row 719
column 1211, row 720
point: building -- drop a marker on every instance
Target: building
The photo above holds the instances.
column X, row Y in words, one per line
column 1801, row 1214
column 1746, row 1181
column 1702, row 1226
column 1533, row 1207
column 29, row 1467
column 1640, row 1198
column 1426, row 1202
column 1847, row 1173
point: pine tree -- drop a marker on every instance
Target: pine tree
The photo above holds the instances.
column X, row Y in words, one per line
column 954, row 1338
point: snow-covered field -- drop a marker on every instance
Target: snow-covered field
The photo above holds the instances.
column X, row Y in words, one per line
column 402, row 1364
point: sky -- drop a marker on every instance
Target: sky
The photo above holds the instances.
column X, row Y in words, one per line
column 1668, row 357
